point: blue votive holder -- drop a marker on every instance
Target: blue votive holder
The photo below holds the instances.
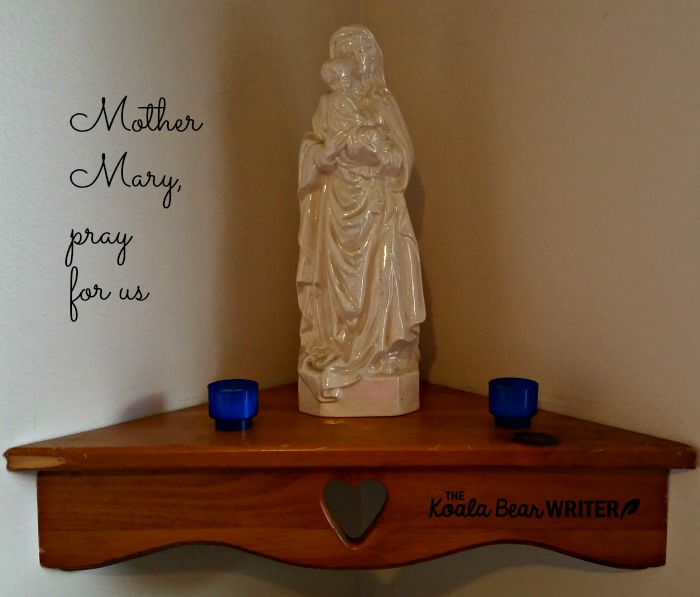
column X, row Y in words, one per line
column 233, row 403
column 513, row 401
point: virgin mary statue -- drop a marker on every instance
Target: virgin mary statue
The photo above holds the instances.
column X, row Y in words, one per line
column 359, row 282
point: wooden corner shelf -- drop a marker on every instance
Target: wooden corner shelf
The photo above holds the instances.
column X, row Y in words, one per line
column 453, row 481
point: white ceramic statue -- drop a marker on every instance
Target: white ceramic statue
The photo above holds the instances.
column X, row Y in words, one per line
column 359, row 281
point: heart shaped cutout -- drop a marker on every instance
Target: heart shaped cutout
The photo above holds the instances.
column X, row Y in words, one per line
column 352, row 511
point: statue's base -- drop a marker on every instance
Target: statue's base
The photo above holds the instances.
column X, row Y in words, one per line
column 388, row 396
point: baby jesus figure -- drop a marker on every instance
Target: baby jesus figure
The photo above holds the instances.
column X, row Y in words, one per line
column 364, row 139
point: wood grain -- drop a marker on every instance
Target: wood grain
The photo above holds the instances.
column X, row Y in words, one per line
column 89, row 520
column 454, row 481
column 453, row 428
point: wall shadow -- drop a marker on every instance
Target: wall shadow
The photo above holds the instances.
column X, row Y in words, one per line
column 460, row 570
column 415, row 202
column 145, row 406
column 191, row 568
column 270, row 86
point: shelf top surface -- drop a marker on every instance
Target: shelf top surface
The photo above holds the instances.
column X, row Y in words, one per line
column 452, row 428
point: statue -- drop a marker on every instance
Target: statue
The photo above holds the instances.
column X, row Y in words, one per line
column 358, row 282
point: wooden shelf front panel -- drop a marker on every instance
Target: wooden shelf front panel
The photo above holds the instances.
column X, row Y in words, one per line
column 454, row 481
column 94, row 519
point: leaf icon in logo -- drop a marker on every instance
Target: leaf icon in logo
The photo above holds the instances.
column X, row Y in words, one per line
column 630, row 507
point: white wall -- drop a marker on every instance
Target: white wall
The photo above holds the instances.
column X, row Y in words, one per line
column 222, row 297
column 556, row 198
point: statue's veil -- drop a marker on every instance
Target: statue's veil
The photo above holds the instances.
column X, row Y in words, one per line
column 344, row 34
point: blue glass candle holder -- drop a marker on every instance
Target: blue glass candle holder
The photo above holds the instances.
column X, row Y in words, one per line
column 513, row 401
column 233, row 403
